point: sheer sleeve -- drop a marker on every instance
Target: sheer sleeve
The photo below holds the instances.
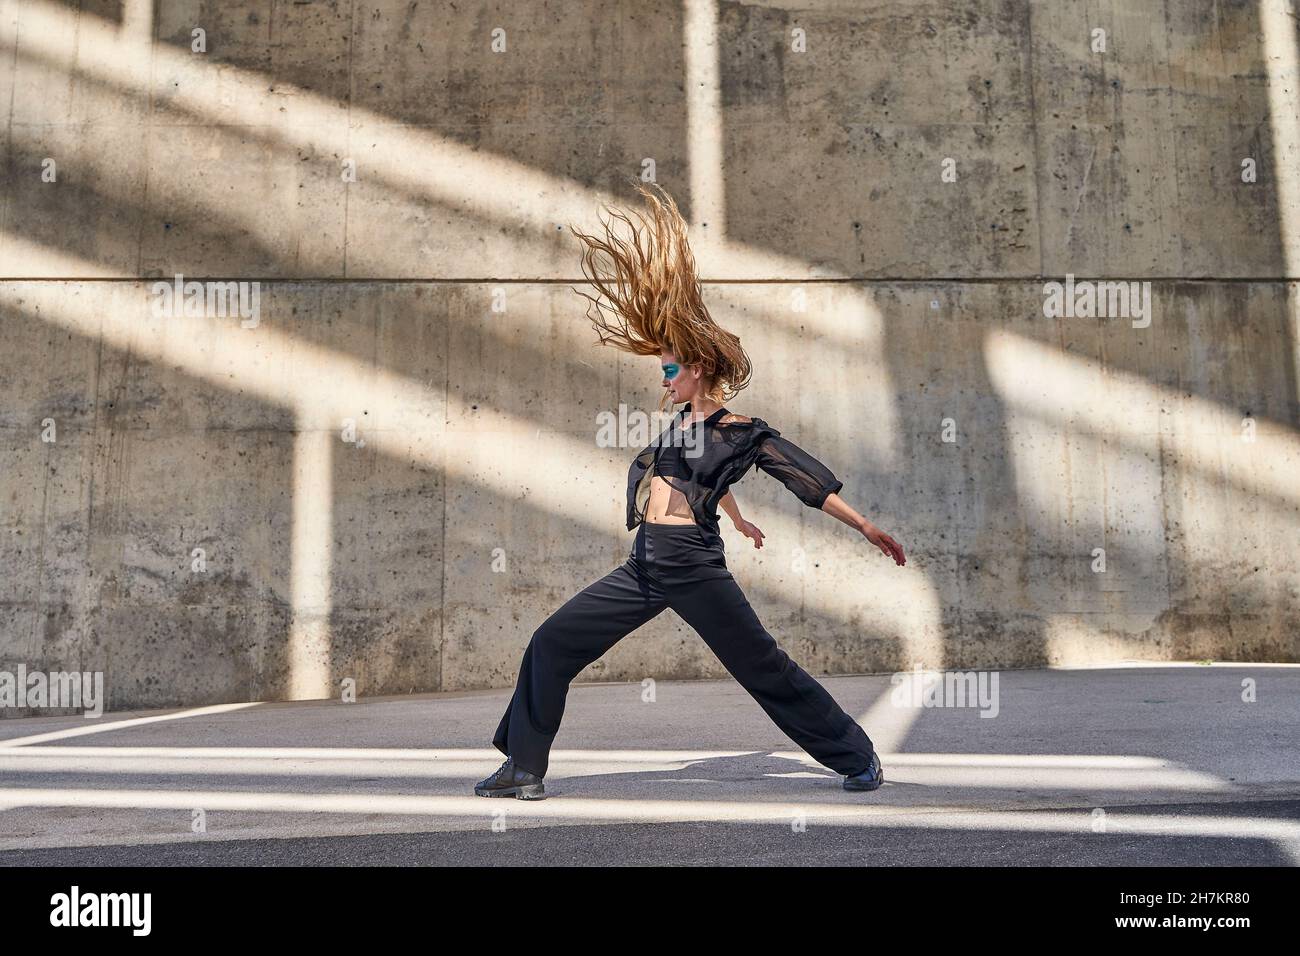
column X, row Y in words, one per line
column 805, row 476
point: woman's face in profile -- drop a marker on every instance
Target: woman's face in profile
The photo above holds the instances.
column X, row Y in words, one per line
column 681, row 381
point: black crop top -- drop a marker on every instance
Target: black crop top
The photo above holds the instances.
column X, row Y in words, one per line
column 676, row 457
column 717, row 454
column 671, row 463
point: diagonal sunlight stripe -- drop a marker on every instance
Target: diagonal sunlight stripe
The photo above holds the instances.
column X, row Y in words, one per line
column 888, row 724
column 1041, row 382
column 22, row 256
column 1283, row 831
column 103, row 728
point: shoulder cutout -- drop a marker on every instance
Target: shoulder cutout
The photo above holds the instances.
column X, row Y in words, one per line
column 732, row 418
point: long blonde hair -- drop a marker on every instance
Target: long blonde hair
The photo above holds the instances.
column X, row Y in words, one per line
column 648, row 296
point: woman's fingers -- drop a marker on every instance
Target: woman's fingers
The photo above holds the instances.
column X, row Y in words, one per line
column 891, row 548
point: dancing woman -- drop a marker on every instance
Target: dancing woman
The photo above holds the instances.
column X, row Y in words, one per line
column 653, row 306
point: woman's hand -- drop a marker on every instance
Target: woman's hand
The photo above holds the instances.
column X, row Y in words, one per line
column 750, row 530
column 887, row 545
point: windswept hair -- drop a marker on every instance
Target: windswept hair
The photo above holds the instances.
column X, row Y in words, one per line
column 649, row 299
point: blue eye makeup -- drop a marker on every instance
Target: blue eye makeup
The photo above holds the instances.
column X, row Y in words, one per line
column 671, row 370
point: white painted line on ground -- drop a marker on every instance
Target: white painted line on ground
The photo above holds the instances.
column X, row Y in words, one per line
column 1084, row 773
column 1285, row 832
column 100, row 728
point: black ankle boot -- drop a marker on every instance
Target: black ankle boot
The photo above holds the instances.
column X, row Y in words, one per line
column 511, row 781
column 868, row 779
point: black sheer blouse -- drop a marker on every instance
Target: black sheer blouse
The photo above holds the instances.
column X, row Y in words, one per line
column 704, row 460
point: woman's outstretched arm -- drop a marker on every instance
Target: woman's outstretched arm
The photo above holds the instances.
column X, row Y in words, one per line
column 837, row 507
column 817, row 487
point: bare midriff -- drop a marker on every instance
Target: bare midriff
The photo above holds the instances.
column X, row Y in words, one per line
column 667, row 505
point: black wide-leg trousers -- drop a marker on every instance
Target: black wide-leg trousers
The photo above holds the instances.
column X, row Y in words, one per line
column 671, row 565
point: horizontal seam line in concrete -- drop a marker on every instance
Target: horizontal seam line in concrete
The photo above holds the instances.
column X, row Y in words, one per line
column 477, row 280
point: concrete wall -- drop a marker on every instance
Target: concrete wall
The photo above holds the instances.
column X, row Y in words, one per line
column 428, row 302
